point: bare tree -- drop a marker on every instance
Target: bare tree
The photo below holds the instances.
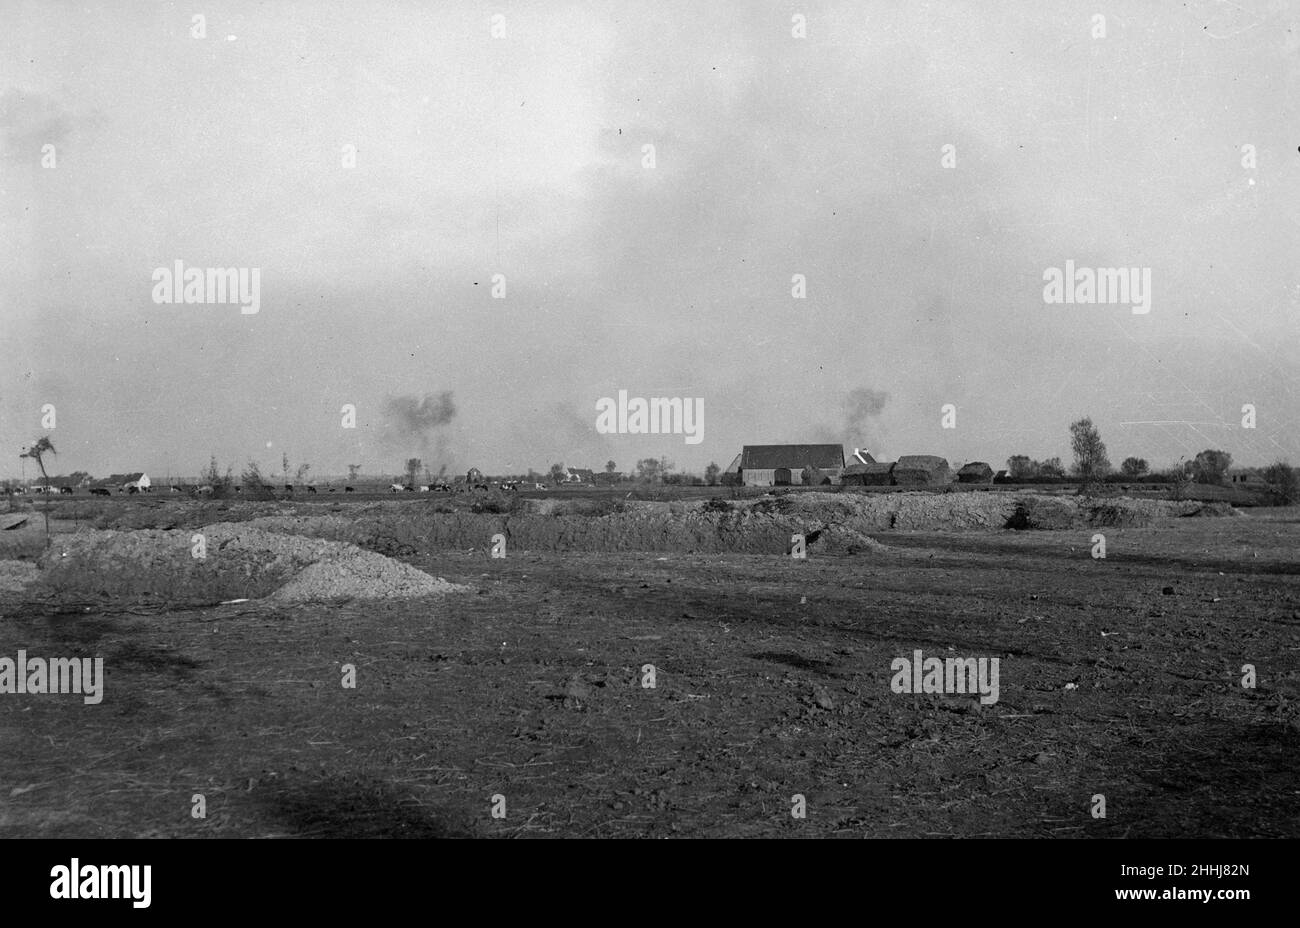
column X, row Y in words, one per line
column 254, row 484
column 413, row 466
column 1090, row 461
column 35, row 452
column 1283, row 482
column 353, row 470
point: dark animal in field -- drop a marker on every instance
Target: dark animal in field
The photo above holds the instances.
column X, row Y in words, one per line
column 311, row 489
column 347, row 490
column 66, row 491
column 99, row 491
column 133, row 489
column 288, row 488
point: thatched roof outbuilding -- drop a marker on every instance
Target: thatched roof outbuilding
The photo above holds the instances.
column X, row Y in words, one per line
column 975, row 472
column 921, row 470
column 868, row 475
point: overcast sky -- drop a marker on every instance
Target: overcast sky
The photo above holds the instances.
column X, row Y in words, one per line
column 523, row 156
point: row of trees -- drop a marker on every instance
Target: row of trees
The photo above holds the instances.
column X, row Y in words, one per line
column 648, row 470
column 1092, row 465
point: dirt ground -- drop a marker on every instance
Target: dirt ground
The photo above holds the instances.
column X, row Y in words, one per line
column 1118, row 677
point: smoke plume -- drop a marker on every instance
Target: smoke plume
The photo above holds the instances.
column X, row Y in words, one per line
column 414, row 423
column 860, row 428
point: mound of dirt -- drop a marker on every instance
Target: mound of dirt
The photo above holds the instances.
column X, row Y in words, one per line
column 238, row 561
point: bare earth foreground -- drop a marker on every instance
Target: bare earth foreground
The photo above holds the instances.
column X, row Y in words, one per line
column 1120, row 677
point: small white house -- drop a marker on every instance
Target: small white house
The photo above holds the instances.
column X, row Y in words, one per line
column 140, row 481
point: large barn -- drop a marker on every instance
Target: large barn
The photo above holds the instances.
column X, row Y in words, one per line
column 783, row 465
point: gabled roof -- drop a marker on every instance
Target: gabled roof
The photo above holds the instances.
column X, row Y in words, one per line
column 769, row 457
column 733, row 466
column 976, row 467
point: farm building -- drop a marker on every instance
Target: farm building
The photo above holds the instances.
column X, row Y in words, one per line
column 921, row 470
column 783, row 465
column 868, row 475
column 125, row 482
column 861, row 456
column 975, row 472
column 1246, row 479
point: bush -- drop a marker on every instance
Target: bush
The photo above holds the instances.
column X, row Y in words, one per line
column 1283, row 483
column 1179, row 481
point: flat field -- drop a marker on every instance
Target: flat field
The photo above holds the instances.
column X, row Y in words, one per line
column 1119, row 677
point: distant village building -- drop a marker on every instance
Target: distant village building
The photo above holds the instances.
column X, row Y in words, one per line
column 1246, row 479
column 125, row 482
column 784, row 465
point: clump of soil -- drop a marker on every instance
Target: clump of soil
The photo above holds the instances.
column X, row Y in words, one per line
column 238, row 562
column 16, row 575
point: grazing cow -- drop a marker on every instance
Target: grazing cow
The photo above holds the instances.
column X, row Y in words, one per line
column 133, row 489
column 395, row 488
column 347, row 490
column 311, row 489
column 424, row 488
column 99, row 491
column 66, row 491
column 288, row 488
